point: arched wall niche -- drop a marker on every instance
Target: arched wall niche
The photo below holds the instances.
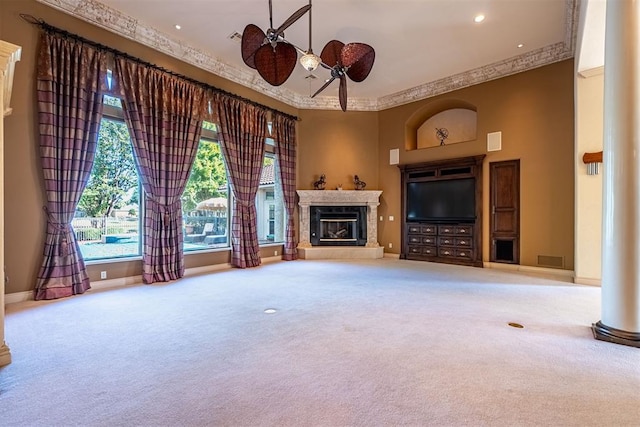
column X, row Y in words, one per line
column 456, row 115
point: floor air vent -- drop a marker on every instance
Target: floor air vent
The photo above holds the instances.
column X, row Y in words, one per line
column 551, row 261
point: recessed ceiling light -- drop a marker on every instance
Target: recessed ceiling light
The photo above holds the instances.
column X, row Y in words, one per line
column 520, row 45
column 270, row 310
column 178, row 26
column 479, row 18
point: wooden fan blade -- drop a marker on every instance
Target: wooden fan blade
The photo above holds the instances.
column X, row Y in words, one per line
column 343, row 92
column 331, row 53
column 275, row 65
column 293, row 18
column 358, row 58
column 324, row 86
column 252, row 38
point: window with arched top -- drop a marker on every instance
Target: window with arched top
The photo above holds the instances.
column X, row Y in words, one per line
column 439, row 123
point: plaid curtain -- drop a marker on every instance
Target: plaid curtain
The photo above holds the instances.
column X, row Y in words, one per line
column 243, row 128
column 284, row 133
column 164, row 117
column 70, row 79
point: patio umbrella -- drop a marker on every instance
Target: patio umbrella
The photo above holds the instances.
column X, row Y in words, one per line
column 213, row 204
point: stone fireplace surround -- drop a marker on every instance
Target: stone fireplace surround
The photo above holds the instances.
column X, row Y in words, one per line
column 368, row 198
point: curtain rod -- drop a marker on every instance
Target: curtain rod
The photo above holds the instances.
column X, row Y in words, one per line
column 50, row 28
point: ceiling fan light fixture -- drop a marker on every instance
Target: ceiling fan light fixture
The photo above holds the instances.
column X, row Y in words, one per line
column 310, row 61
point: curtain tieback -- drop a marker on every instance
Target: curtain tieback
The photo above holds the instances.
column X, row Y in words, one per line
column 166, row 210
column 62, row 228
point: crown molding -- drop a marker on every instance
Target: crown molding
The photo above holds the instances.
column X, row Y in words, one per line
column 117, row 22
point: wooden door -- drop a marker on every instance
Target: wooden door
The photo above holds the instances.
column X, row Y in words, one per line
column 504, row 204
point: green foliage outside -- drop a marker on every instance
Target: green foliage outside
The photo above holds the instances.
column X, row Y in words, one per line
column 208, row 176
column 114, row 173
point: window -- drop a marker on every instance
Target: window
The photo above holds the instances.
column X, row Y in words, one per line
column 107, row 219
column 205, row 201
column 270, row 201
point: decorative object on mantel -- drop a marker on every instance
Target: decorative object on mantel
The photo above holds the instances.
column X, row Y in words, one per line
column 442, row 134
column 592, row 160
column 339, row 187
column 359, row 183
column 320, row 183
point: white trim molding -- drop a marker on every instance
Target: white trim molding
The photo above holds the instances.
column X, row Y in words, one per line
column 117, row 22
column 552, row 273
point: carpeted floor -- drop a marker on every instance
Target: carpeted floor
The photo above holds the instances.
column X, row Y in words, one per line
column 384, row 342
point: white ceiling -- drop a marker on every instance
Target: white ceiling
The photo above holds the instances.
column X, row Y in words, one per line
column 419, row 44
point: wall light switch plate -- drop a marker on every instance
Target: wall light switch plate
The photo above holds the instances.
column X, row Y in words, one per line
column 103, row 274
column 391, row 218
column 381, row 218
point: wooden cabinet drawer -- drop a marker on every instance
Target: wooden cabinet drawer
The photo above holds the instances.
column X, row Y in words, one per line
column 430, row 251
column 463, row 242
column 446, row 252
column 415, row 240
column 446, row 241
column 429, row 240
column 413, row 229
column 429, row 229
column 446, row 230
column 463, row 230
column 464, row 253
column 415, row 250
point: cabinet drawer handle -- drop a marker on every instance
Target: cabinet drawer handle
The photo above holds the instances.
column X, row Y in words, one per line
column 463, row 254
column 462, row 242
column 463, row 231
column 447, row 253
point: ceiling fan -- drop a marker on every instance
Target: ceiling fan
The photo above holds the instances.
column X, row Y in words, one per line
column 354, row 60
column 270, row 54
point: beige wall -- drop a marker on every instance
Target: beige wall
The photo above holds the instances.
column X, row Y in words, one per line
column 588, row 213
column 534, row 111
column 340, row 145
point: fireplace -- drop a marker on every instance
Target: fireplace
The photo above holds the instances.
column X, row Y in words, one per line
column 338, row 225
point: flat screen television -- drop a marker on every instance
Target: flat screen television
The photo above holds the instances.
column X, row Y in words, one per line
column 442, row 200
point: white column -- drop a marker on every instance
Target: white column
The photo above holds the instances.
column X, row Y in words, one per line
column 621, row 180
column 9, row 55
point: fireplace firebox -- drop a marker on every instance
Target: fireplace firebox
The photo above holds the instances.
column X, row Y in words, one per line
column 338, row 225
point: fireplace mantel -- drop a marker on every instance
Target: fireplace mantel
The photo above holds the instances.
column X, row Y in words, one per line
column 368, row 198
column 339, row 197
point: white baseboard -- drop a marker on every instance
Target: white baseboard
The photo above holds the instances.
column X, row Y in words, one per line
column 553, row 273
column 589, row 281
column 16, row 297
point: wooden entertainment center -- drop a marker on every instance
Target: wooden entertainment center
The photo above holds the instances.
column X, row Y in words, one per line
column 449, row 229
